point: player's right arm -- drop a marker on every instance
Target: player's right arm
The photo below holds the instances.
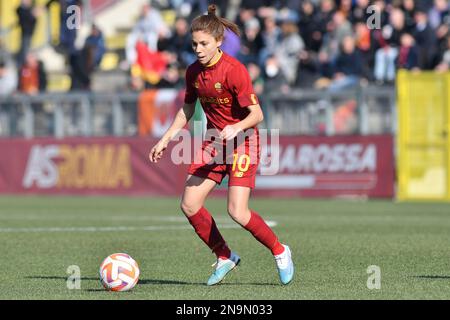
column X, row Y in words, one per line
column 181, row 119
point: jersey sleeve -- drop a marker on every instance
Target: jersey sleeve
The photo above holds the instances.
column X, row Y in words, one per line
column 242, row 86
column 191, row 93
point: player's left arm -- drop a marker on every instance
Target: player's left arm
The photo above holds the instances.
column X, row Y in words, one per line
column 253, row 118
column 242, row 88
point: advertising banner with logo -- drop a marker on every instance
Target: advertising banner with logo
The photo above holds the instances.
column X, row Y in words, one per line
column 299, row 166
column 330, row 166
column 110, row 166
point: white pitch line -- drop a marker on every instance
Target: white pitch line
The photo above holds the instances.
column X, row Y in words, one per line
column 112, row 229
column 83, row 217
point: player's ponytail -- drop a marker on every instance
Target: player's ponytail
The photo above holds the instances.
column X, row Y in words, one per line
column 213, row 24
column 212, row 8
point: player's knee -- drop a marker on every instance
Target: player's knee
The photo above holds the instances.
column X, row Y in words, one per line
column 240, row 214
column 234, row 211
column 189, row 208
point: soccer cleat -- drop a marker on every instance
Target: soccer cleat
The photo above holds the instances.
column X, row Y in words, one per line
column 285, row 265
column 223, row 267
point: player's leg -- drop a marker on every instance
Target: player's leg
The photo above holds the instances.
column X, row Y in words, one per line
column 192, row 204
column 194, row 196
column 238, row 198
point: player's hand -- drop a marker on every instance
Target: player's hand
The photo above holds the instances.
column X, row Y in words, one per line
column 230, row 132
column 157, row 151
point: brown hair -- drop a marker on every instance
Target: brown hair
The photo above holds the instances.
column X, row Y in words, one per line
column 213, row 24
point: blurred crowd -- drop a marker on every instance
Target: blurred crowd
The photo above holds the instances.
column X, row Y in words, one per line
column 325, row 44
column 26, row 73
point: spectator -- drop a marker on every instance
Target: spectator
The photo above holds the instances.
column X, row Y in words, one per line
column 444, row 63
column 359, row 13
column 439, row 14
column 256, row 5
column 6, row 56
column 325, row 14
column 191, row 8
column 441, row 41
column 364, row 44
column 32, row 77
column 290, row 5
column 8, row 78
column 67, row 31
column 245, row 14
column 172, row 76
column 409, row 9
column 338, row 28
column 251, row 43
column 8, row 85
column 425, row 39
column 271, row 38
column 257, row 80
column 348, row 69
column 27, row 14
column 291, row 45
column 389, row 42
column 381, row 10
column 179, row 43
column 274, row 80
column 95, row 47
column 309, row 27
column 32, row 80
column 149, row 29
column 345, row 7
column 84, row 62
column 408, row 54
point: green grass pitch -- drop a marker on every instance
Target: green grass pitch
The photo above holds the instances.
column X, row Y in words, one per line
column 333, row 244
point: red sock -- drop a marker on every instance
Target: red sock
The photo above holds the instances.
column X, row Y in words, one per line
column 205, row 226
column 263, row 233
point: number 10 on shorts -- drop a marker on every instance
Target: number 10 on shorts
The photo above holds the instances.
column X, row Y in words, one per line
column 242, row 162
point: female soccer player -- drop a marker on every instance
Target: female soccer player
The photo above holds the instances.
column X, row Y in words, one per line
column 223, row 86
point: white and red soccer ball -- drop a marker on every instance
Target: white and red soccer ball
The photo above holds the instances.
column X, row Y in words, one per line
column 119, row 272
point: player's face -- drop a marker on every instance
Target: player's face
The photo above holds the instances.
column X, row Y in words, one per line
column 204, row 46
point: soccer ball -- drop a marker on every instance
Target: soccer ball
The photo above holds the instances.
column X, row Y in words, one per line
column 119, row 272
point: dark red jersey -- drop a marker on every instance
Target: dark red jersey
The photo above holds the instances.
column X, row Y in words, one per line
column 224, row 90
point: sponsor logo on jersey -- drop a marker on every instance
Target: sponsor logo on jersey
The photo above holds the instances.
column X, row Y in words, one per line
column 215, row 100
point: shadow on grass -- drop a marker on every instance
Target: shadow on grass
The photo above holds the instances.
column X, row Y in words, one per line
column 158, row 282
column 433, row 277
column 141, row 281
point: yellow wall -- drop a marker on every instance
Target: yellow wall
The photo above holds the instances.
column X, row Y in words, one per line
column 423, row 142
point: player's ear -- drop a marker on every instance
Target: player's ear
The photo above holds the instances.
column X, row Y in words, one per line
column 219, row 41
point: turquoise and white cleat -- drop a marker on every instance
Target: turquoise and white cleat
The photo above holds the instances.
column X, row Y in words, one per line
column 223, row 267
column 285, row 265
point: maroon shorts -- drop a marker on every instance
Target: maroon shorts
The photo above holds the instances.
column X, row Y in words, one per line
column 241, row 166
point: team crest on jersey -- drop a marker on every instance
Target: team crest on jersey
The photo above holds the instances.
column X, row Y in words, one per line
column 196, row 84
column 218, row 87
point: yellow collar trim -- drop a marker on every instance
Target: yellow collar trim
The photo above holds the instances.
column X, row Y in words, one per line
column 216, row 60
